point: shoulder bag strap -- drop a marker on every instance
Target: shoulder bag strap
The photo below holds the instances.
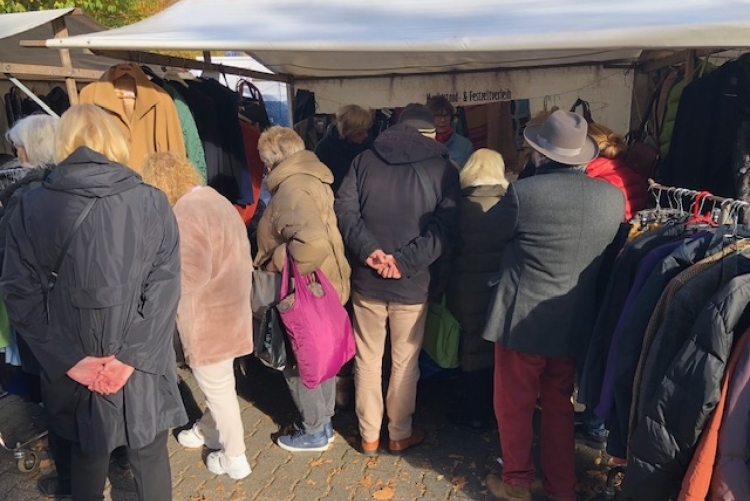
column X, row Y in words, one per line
column 52, row 279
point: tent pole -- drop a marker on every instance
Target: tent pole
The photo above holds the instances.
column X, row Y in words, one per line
column 290, row 100
column 207, row 60
column 61, row 31
column 31, row 95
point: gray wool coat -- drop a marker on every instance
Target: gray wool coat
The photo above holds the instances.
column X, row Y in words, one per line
column 556, row 226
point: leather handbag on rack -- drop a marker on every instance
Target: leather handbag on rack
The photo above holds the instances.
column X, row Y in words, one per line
column 252, row 106
column 585, row 109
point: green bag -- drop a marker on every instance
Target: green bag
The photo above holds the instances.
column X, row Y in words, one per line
column 442, row 334
column 5, row 335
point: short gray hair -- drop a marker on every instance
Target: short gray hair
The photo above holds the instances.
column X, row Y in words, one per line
column 277, row 144
column 36, row 135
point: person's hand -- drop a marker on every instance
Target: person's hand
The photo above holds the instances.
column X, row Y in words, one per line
column 271, row 267
column 112, row 378
column 379, row 260
column 88, row 369
column 391, row 269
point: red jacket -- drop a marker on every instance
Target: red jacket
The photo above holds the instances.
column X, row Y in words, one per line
column 633, row 186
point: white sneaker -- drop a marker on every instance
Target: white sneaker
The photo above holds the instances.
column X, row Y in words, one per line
column 194, row 439
column 236, row 467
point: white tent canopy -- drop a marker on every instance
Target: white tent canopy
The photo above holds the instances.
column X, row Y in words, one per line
column 337, row 38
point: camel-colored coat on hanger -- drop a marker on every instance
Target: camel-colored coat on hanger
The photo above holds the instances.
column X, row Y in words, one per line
column 153, row 125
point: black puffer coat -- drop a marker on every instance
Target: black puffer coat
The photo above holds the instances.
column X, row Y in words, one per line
column 663, row 442
column 117, row 293
column 338, row 153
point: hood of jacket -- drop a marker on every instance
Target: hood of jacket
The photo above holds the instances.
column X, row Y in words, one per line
column 32, row 177
column 303, row 162
column 403, row 144
column 90, row 174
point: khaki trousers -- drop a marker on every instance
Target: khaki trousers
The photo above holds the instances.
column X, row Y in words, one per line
column 406, row 322
column 222, row 421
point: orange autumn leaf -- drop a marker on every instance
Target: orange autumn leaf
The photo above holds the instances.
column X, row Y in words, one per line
column 385, row 493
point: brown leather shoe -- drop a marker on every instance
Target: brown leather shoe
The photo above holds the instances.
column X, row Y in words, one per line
column 416, row 438
column 505, row 492
column 370, row 449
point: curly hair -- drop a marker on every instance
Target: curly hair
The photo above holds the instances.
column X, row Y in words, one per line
column 173, row 174
column 277, row 143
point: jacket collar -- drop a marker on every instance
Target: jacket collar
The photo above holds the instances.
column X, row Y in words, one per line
column 304, row 162
column 104, row 96
column 555, row 168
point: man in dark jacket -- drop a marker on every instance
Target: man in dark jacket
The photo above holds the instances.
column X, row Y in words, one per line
column 398, row 212
column 557, row 226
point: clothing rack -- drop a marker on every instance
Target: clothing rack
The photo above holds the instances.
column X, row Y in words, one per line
column 729, row 208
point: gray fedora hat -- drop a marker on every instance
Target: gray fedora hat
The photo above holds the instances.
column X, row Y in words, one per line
column 564, row 138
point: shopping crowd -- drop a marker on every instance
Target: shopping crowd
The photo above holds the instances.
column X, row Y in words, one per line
column 106, row 270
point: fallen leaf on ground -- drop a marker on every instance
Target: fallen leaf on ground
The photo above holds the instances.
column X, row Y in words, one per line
column 385, row 493
column 366, row 482
column 459, row 482
column 440, row 477
column 318, row 462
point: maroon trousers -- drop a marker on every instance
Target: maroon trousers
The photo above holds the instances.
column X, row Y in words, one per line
column 519, row 379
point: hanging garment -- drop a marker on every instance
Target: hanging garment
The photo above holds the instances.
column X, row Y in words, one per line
column 674, row 315
column 151, row 125
column 709, row 115
column 615, row 295
column 313, row 129
column 698, row 478
column 206, row 118
column 193, row 144
column 229, row 181
column 250, row 136
column 693, row 250
column 664, row 441
column 731, row 479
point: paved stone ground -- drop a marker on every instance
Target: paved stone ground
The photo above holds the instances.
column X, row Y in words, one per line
column 450, row 465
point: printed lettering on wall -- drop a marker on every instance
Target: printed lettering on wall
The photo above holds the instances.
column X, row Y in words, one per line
column 474, row 96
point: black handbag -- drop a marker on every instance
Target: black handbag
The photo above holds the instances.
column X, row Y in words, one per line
column 251, row 104
column 270, row 341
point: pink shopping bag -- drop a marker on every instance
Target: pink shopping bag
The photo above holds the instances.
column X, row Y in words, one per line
column 319, row 329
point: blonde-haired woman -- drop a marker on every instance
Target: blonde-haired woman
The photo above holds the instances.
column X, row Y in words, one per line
column 213, row 315
column 609, row 167
column 345, row 141
column 478, row 257
column 299, row 222
column 91, row 281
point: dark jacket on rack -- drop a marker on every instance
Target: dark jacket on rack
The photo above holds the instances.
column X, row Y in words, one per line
column 616, row 293
column 233, row 162
column 664, row 441
column 631, row 342
column 556, row 226
column 338, row 153
column 383, row 205
column 701, row 153
column 116, row 293
column 477, row 260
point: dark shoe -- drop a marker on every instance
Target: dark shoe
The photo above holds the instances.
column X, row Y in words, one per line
column 50, row 487
column 120, row 458
column 504, row 492
column 416, row 438
column 370, row 449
